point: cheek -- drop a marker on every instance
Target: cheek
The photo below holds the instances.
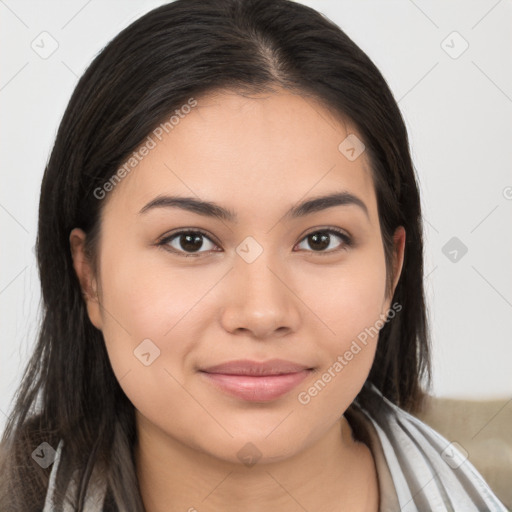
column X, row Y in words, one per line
column 350, row 298
column 149, row 331
column 147, row 297
column 349, row 305
column 144, row 302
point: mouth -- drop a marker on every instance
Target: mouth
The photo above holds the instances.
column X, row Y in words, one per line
column 256, row 381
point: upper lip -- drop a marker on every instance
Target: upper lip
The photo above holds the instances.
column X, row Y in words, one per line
column 248, row 367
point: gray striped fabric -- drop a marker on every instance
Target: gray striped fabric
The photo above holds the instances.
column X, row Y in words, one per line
column 418, row 469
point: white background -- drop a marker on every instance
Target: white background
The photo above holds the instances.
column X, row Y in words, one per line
column 458, row 112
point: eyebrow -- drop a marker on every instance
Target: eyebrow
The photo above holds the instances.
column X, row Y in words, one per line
column 211, row 209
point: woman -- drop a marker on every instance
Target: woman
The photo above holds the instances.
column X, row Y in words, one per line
column 230, row 252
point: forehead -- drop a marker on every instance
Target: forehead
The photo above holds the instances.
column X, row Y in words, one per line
column 248, row 153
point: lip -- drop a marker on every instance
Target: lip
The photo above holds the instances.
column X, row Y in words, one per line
column 256, row 381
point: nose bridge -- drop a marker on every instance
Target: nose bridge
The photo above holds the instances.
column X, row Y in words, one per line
column 259, row 277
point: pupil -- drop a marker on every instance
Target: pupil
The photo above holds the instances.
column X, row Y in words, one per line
column 323, row 241
column 191, row 242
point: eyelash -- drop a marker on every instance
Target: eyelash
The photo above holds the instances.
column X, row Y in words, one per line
column 347, row 241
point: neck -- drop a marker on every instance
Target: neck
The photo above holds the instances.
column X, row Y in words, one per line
column 334, row 474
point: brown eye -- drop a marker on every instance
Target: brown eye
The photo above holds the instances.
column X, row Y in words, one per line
column 320, row 240
column 186, row 243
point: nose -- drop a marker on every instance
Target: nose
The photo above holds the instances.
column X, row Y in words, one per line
column 260, row 299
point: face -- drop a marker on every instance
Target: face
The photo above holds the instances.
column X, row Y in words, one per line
column 179, row 291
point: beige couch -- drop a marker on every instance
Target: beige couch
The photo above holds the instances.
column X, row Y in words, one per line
column 484, row 430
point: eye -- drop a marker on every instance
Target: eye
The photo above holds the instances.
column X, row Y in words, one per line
column 322, row 239
column 184, row 241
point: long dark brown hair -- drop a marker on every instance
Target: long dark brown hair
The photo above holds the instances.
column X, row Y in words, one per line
column 181, row 50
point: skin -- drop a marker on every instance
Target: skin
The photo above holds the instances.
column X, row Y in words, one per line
column 257, row 156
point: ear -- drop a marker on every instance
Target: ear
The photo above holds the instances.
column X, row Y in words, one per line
column 398, row 254
column 398, row 261
column 88, row 282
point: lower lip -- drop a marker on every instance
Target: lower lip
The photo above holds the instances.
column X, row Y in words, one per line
column 257, row 389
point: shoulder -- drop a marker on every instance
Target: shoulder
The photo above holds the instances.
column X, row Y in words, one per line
column 96, row 489
column 428, row 472
column 25, row 473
